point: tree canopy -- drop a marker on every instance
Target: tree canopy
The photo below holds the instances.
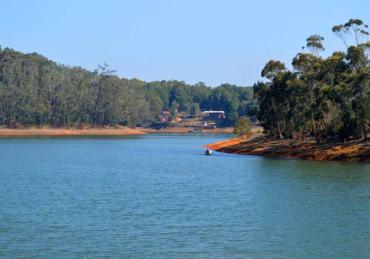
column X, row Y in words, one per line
column 37, row 91
column 322, row 97
column 242, row 126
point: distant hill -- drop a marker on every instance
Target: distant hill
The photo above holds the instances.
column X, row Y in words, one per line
column 37, row 91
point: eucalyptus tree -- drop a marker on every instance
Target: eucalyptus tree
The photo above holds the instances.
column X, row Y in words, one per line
column 315, row 44
column 355, row 30
column 274, row 99
column 308, row 67
column 37, row 91
column 322, row 97
column 272, row 69
column 361, row 102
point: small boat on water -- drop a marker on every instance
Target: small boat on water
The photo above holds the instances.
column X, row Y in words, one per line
column 208, row 152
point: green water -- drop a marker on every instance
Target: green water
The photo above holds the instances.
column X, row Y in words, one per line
column 158, row 196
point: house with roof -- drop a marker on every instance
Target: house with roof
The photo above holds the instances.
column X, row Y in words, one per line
column 213, row 115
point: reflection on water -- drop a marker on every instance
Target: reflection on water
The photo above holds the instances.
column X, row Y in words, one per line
column 159, row 196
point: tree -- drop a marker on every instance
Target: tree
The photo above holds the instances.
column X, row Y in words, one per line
column 174, row 107
column 322, row 97
column 314, row 43
column 356, row 57
column 242, row 126
column 354, row 29
column 38, row 91
column 195, row 110
column 272, row 68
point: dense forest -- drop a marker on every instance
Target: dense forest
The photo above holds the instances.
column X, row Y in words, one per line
column 321, row 97
column 37, row 91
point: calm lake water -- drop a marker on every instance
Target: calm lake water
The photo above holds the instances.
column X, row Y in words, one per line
column 158, row 196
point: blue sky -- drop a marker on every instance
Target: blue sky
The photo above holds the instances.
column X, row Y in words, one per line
column 189, row 40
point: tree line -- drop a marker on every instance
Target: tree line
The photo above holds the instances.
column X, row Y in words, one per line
column 37, row 91
column 321, row 97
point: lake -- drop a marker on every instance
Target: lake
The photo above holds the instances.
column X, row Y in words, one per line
column 158, row 196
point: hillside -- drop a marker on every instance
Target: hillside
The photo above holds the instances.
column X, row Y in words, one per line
column 37, row 91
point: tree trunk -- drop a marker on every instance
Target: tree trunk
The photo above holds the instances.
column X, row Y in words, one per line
column 364, row 130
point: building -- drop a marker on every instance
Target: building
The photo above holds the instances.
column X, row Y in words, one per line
column 213, row 115
column 176, row 119
column 165, row 117
column 166, row 113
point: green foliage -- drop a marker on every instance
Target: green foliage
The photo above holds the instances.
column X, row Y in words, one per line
column 323, row 97
column 195, row 110
column 37, row 91
column 272, row 68
column 354, row 29
column 242, row 127
column 314, row 43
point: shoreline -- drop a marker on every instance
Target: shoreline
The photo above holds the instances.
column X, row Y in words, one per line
column 61, row 132
column 188, row 130
column 355, row 151
column 101, row 131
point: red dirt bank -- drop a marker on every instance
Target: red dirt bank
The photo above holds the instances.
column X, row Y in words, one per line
column 311, row 150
